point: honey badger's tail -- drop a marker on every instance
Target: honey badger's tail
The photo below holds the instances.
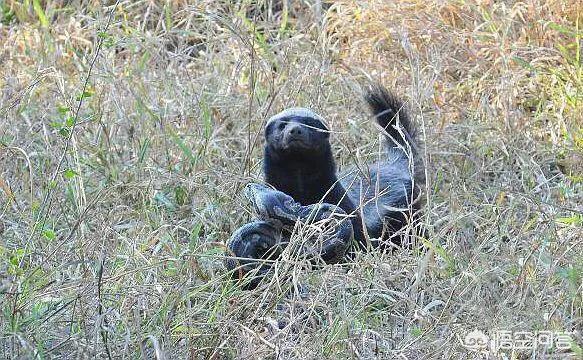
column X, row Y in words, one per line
column 401, row 142
column 391, row 115
column 402, row 175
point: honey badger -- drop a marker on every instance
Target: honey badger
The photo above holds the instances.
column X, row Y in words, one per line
column 298, row 161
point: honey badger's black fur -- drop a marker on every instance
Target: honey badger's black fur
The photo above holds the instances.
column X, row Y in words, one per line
column 298, row 161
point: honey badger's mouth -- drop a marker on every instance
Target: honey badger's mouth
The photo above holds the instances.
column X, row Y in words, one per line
column 295, row 143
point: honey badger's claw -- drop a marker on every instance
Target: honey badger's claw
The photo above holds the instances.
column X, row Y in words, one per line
column 252, row 247
column 272, row 205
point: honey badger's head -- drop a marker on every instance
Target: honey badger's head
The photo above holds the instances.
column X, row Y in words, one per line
column 297, row 131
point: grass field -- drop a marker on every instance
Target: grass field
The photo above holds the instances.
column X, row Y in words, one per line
column 128, row 130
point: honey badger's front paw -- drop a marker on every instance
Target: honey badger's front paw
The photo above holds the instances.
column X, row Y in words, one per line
column 325, row 229
column 272, row 205
column 320, row 231
column 252, row 250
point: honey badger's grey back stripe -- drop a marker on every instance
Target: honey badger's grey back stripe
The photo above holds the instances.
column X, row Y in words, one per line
column 299, row 112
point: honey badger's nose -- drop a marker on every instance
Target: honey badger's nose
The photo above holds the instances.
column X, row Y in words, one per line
column 295, row 130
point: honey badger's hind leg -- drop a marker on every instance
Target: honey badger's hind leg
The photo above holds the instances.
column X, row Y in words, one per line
column 390, row 191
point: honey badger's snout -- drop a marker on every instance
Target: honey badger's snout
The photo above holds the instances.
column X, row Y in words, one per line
column 295, row 134
column 295, row 131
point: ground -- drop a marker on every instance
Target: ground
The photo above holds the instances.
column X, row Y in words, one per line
column 128, row 130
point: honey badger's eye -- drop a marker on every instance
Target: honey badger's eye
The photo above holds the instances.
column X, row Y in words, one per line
column 281, row 125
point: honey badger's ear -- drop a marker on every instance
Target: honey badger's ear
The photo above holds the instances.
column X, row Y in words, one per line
column 269, row 127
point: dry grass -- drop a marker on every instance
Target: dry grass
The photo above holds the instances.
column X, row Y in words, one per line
column 112, row 220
